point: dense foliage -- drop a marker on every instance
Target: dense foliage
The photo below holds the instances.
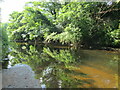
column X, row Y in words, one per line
column 3, row 41
column 86, row 23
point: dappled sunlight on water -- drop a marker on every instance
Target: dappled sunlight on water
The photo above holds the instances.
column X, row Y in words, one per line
column 97, row 78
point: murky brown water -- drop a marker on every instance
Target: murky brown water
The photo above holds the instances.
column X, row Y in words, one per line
column 65, row 67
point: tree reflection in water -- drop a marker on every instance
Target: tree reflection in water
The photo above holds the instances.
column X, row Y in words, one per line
column 58, row 67
column 54, row 67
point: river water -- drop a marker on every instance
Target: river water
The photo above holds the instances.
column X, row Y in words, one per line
column 67, row 67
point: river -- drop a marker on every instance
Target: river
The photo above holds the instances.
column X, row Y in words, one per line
column 67, row 67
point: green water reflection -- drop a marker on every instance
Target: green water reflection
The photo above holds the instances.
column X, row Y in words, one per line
column 58, row 67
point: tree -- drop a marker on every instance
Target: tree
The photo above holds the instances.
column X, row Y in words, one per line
column 90, row 27
column 30, row 24
column 89, row 24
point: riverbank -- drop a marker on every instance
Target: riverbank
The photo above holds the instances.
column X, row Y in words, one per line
column 19, row 76
column 71, row 46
